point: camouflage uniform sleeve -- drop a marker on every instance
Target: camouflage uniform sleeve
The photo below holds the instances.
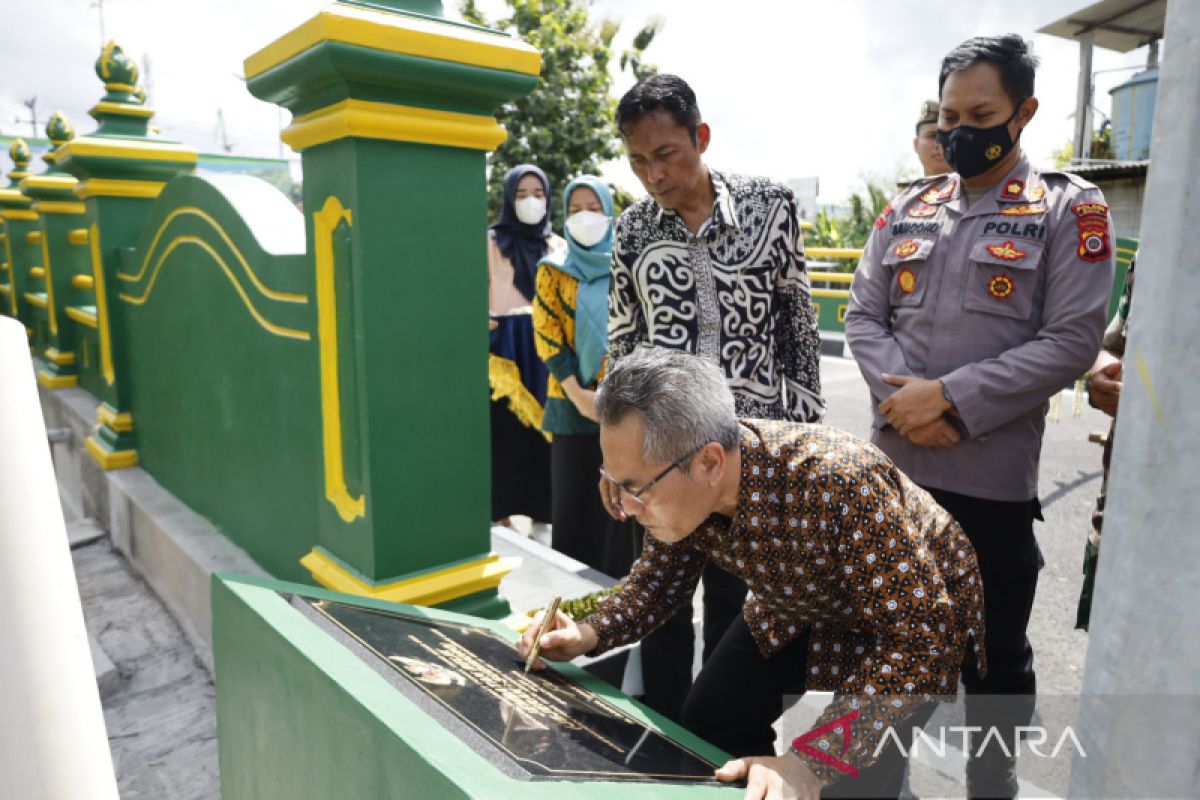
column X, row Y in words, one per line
column 1114, row 337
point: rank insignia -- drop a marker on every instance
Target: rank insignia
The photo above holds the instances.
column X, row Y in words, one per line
column 1000, row 286
column 1023, row 210
column 906, row 279
column 1013, row 190
column 906, row 248
column 938, row 196
column 922, row 210
column 1006, row 251
column 1037, row 193
column 1090, row 210
column 993, row 152
column 1093, row 244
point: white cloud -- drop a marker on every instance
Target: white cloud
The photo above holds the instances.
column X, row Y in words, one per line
column 790, row 87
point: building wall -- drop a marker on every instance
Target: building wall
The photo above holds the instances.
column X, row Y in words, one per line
column 1124, row 197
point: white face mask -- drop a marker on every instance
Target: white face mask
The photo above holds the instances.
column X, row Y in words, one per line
column 587, row 227
column 530, row 210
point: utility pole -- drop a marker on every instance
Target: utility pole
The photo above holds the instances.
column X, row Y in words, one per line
column 31, row 104
column 147, row 80
column 222, row 133
column 100, row 4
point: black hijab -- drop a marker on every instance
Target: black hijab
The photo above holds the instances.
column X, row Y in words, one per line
column 523, row 245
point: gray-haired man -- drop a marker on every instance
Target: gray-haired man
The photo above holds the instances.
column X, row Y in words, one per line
column 861, row 583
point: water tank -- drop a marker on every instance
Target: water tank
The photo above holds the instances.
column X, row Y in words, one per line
column 1133, row 115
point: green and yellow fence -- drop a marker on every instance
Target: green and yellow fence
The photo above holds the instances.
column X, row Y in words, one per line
column 310, row 381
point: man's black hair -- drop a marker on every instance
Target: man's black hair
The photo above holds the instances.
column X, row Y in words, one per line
column 668, row 92
column 1010, row 53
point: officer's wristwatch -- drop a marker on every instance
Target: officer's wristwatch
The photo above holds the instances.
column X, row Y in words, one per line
column 946, row 395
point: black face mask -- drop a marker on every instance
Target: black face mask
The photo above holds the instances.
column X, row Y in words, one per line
column 973, row 151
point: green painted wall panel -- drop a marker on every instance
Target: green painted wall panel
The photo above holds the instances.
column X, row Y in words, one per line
column 227, row 412
column 300, row 716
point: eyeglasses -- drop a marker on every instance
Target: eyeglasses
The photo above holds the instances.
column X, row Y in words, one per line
column 631, row 502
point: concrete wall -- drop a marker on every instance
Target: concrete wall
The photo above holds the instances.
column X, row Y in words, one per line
column 1139, row 720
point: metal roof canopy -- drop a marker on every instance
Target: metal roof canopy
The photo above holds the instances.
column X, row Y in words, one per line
column 1120, row 25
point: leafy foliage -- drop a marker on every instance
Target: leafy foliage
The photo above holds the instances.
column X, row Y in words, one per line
column 853, row 229
column 565, row 126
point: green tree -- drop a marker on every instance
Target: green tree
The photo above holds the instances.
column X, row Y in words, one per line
column 565, row 126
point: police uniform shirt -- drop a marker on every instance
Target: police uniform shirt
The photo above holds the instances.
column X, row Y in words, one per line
column 1003, row 300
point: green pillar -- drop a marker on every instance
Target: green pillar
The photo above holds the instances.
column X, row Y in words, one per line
column 392, row 113
column 17, row 253
column 121, row 170
column 64, row 255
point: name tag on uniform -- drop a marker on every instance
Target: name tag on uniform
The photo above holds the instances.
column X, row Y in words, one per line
column 918, row 228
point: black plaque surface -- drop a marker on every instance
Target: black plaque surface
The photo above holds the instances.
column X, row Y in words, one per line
column 547, row 725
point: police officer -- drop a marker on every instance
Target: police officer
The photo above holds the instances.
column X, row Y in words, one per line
column 980, row 295
column 925, row 144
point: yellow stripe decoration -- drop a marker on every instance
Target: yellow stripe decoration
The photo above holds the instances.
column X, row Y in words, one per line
column 427, row 589
column 18, row 214
column 400, row 34
column 116, row 148
column 79, row 236
column 82, row 316
column 54, row 356
column 37, row 272
column 12, row 285
column 49, row 286
column 833, row 252
column 325, row 222
column 57, row 381
column 97, row 278
column 48, row 182
column 36, row 299
column 6, row 289
column 283, row 297
column 831, row 294
column 141, row 299
column 832, row 277
column 107, row 415
column 83, row 282
column 59, row 207
column 121, row 110
column 110, row 459
column 373, row 120
column 107, row 187
column 33, row 237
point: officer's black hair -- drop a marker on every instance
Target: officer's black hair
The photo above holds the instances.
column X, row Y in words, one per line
column 668, row 92
column 1010, row 53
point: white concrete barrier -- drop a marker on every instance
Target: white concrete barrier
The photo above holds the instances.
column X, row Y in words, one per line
column 53, row 743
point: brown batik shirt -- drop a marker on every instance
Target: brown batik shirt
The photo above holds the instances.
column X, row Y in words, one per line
column 835, row 541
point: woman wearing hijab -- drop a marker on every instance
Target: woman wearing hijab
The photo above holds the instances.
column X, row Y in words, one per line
column 570, row 317
column 520, row 452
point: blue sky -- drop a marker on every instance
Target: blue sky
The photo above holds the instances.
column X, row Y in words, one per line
column 791, row 88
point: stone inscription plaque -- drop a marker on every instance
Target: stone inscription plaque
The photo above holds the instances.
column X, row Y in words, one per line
column 548, row 725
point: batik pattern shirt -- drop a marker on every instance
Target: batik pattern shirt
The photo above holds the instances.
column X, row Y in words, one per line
column 833, row 541
column 735, row 292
